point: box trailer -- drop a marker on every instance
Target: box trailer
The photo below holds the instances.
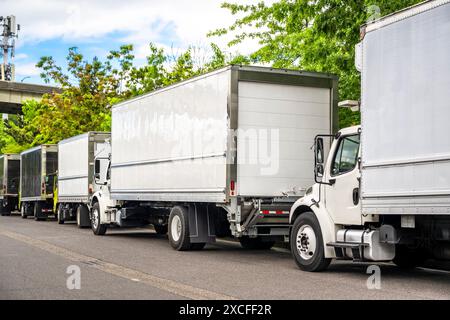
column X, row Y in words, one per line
column 385, row 191
column 38, row 171
column 9, row 179
column 76, row 158
column 223, row 153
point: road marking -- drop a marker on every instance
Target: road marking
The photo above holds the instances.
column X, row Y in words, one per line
column 171, row 286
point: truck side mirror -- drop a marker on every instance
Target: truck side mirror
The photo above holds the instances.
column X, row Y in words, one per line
column 319, row 152
column 319, row 170
column 97, row 168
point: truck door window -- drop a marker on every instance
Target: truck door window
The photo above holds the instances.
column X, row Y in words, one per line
column 346, row 156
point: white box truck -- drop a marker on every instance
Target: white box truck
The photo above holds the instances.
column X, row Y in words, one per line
column 38, row 170
column 76, row 182
column 225, row 153
column 384, row 192
column 9, row 179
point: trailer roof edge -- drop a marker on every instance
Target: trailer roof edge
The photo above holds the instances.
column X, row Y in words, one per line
column 260, row 69
column 403, row 14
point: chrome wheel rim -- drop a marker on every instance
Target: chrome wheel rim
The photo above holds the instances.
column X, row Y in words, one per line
column 175, row 228
column 95, row 218
column 306, row 242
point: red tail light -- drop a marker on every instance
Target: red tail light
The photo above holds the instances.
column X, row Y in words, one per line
column 232, row 188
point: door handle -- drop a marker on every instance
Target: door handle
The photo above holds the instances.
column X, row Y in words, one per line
column 356, row 196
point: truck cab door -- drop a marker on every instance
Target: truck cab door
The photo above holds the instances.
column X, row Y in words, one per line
column 342, row 198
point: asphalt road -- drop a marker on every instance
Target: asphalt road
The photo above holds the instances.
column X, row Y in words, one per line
column 138, row 264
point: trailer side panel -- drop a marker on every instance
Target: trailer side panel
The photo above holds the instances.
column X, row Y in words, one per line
column 276, row 126
column 406, row 67
column 73, row 167
column 171, row 145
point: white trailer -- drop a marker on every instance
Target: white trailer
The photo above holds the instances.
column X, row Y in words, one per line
column 76, row 183
column 9, row 179
column 38, row 170
column 384, row 192
column 223, row 153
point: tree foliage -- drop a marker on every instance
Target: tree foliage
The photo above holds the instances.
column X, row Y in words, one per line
column 313, row 35
column 90, row 88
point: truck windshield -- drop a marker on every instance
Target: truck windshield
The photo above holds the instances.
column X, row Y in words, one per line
column 346, row 156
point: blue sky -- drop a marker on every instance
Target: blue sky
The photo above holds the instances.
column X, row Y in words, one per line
column 50, row 27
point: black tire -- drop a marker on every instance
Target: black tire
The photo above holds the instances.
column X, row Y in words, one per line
column 182, row 241
column 59, row 214
column 23, row 212
column 161, row 229
column 83, row 220
column 255, row 243
column 317, row 262
column 7, row 210
column 37, row 212
column 407, row 258
column 4, row 211
column 98, row 228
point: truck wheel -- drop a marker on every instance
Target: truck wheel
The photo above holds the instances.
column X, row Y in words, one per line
column 307, row 244
column 406, row 258
column 7, row 210
column 59, row 214
column 179, row 229
column 98, row 228
column 255, row 243
column 23, row 212
column 160, row 229
column 4, row 211
column 83, row 220
column 38, row 212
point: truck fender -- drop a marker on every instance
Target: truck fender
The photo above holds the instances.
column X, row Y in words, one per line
column 102, row 202
column 327, row 225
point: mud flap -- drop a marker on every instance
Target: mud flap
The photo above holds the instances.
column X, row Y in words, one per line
column 201, row 224
column 85, row 220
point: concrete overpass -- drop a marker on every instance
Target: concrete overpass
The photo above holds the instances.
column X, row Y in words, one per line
column 13, row 94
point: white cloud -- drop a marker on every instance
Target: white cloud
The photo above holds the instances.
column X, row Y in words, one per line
column 136, row 21
column 26, row 70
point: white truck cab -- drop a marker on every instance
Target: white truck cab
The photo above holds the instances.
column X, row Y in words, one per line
column 384, row 191
column 327, row 221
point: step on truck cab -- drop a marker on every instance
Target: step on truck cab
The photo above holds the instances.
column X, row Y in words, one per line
column 383, row 192
column 9, row 179
column 223, row 154
column 38, row 173
column 76, row 180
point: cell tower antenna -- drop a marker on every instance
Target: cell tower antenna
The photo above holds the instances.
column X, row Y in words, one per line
column 7, row 46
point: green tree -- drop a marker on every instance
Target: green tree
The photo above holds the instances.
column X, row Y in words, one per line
column 90, row 88
column 313, row 35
